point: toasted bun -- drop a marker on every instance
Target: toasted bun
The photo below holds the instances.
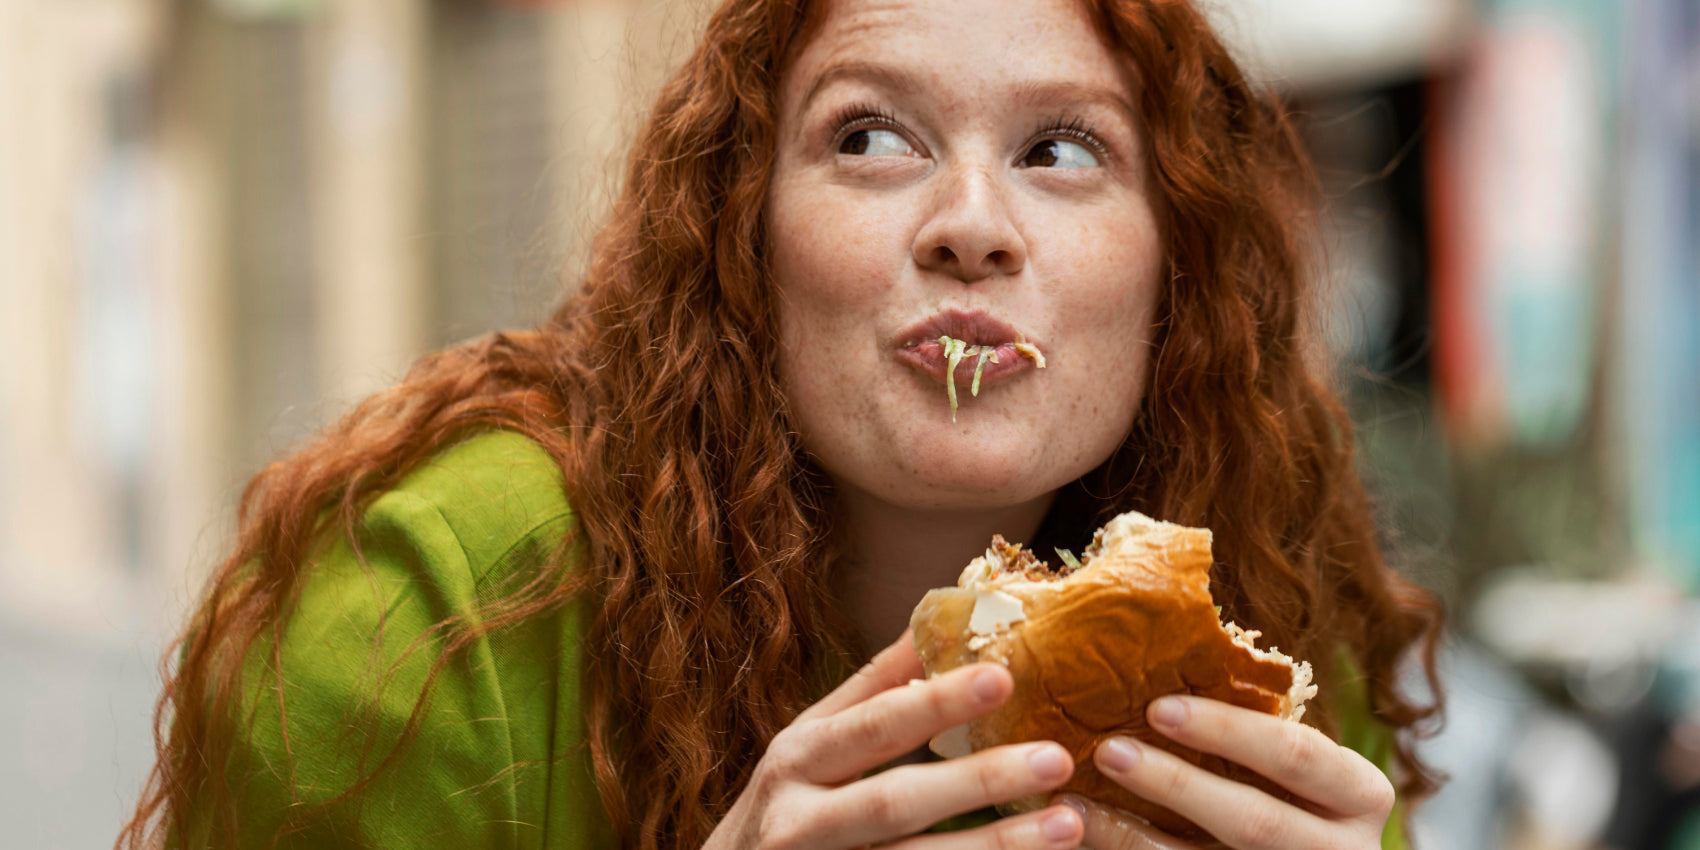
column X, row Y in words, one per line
column 1091, row 646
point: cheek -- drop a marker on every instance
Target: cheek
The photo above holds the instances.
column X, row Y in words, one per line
column 1108, row 311
column 835, row 265
column 829, row 256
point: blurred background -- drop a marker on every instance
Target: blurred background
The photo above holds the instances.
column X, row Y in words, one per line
column 223, row 221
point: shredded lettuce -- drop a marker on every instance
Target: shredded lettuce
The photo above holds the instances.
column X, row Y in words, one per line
column 956, row 349
column 953, row 349
column 1068, row 557
column 985, row 352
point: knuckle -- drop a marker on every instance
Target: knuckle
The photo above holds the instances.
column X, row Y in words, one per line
column 1298, row 754
column 784, row 754
column 875, row 730
column 1129, row 837
column 1260, row 827
column 1012, row 834
column 990, row 777
column 779, row 829
column 1123, row 836
column 940, row 701
column 1174, row 782
column 887, row 807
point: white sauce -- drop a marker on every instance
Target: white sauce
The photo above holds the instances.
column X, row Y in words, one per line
column 994, row 612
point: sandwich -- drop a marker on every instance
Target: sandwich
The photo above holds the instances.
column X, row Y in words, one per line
column 1091, row 641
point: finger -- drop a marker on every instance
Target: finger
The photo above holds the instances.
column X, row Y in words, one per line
column 1109, row 828
column 908, row 799
column 897, row 721
column 1238, row 815
column 1292, row 755
column 893, row 666
column 1055, row 828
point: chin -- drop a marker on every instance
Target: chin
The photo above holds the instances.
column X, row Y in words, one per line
column 969, row 475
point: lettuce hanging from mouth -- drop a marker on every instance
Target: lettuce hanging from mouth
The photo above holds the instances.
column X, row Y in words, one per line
column 956, row 349
column 985, row 352
column 953, row 351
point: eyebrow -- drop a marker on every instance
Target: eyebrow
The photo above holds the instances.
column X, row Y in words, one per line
column 1068, row 91
column 886, row 76
column 1030, row 92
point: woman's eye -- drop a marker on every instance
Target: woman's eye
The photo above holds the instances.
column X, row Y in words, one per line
column 1059, row 153
column 874, row 142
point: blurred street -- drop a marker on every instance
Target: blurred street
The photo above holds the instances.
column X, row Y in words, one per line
column 223, row 222
column 74, row 736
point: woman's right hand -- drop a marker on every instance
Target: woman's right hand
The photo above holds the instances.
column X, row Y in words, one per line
column 808, row 790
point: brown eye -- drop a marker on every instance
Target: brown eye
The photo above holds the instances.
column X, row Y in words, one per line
column 874, row 142
column 1059, row 153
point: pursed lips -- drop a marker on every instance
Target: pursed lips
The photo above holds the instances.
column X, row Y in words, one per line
column 920, row 346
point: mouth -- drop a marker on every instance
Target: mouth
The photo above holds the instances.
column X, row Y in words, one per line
column 976, row 328
column 986, row 350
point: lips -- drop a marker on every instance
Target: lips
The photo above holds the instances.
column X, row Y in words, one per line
column 920, row 348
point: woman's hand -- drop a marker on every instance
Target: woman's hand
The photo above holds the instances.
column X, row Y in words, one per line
column 1346, row 799
column 808, row 790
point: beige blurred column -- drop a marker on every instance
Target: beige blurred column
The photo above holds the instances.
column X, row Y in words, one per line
column 585, row 50
column 197, row 480
column 608, row 59
column 367, row 194
column 57, row 548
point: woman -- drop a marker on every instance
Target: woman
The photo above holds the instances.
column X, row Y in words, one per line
column 603, row 583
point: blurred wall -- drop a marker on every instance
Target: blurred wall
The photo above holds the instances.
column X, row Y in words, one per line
column 224, row 222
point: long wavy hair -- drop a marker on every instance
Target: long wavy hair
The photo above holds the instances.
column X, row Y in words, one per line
column 704, row 530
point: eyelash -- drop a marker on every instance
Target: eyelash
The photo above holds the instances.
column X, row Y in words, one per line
column 1074, row 128
column 857, row 115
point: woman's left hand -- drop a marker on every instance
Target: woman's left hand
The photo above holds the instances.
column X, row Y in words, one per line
column 1344, row 799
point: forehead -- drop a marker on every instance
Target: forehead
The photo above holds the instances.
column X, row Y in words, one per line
column 958, row 43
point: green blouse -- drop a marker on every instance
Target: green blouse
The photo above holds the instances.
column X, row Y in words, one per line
column 497, row 759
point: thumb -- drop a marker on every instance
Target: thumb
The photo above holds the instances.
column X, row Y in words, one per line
column 1109, row 828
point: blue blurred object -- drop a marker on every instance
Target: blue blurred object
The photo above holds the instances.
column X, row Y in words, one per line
column 1659, row 323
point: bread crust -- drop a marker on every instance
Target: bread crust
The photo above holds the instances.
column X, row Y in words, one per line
column 1136, row 623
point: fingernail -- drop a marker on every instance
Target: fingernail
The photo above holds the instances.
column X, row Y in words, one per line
column 1049, row 762
column 1169, row 712
column 1077, row 805
column 1119, row 754
column 986, row 686
column 1058, row 826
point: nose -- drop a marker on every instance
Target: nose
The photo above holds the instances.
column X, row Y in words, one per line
column 970, row 234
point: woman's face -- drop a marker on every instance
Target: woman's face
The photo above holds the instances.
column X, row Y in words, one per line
column 971, row 168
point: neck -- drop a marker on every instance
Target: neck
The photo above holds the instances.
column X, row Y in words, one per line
column 895, row 555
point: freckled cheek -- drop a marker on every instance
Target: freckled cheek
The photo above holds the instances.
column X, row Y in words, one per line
column 838, row 257
column 1105, row 310
column 1113, row 275
column 832, row 261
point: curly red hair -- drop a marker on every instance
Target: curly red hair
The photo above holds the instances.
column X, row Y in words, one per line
column 704, row 529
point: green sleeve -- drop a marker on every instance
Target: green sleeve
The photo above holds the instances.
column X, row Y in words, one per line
column 497, row 759
column 1370, row 738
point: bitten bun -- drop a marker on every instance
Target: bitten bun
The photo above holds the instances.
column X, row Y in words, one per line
column 1091, row 644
